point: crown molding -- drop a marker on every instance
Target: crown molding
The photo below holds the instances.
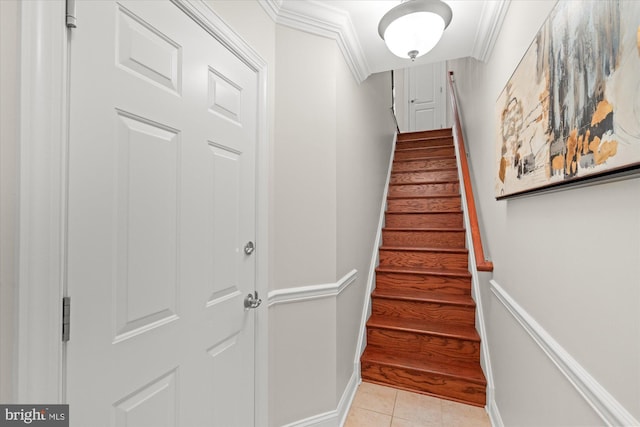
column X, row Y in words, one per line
column 320, row 19
column 493, row 14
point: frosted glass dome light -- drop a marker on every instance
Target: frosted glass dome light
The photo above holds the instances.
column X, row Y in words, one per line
column 414, row 27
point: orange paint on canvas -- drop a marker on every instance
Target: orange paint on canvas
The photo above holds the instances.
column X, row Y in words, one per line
column 606, row 150
column 557, row 163
column 602, row 110
column 572, row 145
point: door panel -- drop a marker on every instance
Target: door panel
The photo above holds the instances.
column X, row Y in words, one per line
column 161, row 203
column 426, row 97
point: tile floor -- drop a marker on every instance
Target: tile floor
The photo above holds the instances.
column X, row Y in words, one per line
column 378, row 406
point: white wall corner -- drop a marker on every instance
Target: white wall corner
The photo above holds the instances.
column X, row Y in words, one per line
column 325, row 21
column 42, row 197
column 602, row 402
column 493, row 14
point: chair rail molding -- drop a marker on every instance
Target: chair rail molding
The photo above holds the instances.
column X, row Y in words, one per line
column 602, row 402
column 310, row 292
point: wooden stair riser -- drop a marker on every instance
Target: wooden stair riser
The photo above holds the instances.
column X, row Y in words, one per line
column 434, row 384
column 424, row 239
column 426, row 204
column 418, row 153
column 424, row 259
column 424, row 164
column 425, row 143
column 451, row 314
column 419, row 190
column 428, row 348
column 451, row 285
column 446, row 175
column 434, row 133
column 424, row 220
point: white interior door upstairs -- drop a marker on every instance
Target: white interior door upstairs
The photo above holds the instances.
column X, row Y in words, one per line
column 426, row 97
column 162, row 204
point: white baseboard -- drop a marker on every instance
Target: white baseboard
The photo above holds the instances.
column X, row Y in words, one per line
column 494, row 413
column 602, row 402
column 337, row 417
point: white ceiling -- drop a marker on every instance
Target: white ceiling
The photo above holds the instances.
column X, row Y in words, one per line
column 354, row 25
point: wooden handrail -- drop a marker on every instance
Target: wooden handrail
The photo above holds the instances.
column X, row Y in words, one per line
column 481, row 262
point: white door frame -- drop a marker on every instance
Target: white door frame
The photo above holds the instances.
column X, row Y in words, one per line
column 44, row 124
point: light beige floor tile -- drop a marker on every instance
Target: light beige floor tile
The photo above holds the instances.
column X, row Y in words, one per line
column 375, row 398
column 399, row 422
column 456, row 414
column 420, row 409
column 359, row 417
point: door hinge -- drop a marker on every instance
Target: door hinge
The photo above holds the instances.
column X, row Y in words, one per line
column 66, row 318
column 71, row 14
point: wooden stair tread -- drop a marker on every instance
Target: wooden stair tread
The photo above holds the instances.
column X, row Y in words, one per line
column 429, row 181
column 438, row 156
column 429, row 147
column 426, row 271
column 402, row 211
column 433, row 196
column 425, row 249
column 418, row 229
column 400, row 172
column 425, row 296
column 413, row 362
column 462, row 332
column 426, row 181
column 452, row 211
column 412, row 196
column 421, row 135
column 412, row 160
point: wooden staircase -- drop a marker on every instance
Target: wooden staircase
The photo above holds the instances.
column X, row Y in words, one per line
column 421, row 335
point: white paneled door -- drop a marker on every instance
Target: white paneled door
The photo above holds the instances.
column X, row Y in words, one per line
column 161, row 204
column 426, row 97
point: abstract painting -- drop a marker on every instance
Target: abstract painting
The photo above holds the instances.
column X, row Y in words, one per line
column 571, row 110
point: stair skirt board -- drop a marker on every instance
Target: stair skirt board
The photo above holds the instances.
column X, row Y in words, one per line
column 424, row 277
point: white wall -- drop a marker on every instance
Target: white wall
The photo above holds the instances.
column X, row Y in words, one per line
column 332, row 144
column 9, row 85
column 569, row 259
column 331, row 141
column 303, row 333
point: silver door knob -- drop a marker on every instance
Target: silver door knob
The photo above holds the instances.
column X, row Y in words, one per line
column 249, row 248
column 252, row 301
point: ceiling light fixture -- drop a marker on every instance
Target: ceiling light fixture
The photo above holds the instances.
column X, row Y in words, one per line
column 414, row 27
